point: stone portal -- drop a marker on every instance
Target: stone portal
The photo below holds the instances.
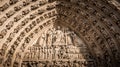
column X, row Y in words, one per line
column 58, row 47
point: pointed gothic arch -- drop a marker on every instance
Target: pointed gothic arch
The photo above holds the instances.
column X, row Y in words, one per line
column 95, row 22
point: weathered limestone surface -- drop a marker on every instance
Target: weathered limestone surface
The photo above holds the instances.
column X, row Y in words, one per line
column 64, row 33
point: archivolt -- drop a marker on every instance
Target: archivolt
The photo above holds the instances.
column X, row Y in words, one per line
column 91, row 20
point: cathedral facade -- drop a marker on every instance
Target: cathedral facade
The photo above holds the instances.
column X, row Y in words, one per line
column 59, row 33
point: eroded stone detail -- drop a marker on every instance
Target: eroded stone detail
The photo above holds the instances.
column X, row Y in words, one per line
column 56, row 46
column 96, row 22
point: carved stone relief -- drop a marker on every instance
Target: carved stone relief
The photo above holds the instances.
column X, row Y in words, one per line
column 58, row 45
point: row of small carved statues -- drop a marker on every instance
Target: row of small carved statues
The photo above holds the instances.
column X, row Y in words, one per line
column 111, row 28
column 102, row 29
column 58, row 64
column 12, row 50
column 21, row 25
column 17, row 42
column 24, row 12
column 25, row 3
